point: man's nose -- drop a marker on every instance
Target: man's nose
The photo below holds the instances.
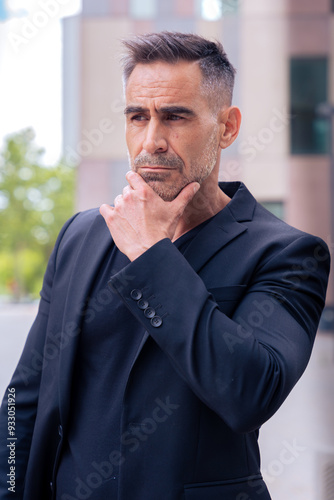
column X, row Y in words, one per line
column 155, row 139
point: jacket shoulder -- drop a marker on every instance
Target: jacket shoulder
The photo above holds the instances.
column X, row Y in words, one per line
column 279, row 230
column 75, row 230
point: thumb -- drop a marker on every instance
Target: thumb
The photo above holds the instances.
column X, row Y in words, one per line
column 185, row 196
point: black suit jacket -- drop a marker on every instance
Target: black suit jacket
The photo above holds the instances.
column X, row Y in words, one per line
column 229, row 330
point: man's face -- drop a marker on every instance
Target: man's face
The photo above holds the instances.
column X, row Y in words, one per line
column 171, row 132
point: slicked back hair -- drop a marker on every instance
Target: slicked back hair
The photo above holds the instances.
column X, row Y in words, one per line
column 172, row 47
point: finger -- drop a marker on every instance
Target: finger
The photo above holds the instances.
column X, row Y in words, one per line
column 117, row 200
column 126, row 190
column 185, row 196
column 135, row 180
column 105, row 211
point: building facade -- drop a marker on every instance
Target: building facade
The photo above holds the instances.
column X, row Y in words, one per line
column 283, row 52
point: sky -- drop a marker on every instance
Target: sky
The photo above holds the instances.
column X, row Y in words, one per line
column 31, row 70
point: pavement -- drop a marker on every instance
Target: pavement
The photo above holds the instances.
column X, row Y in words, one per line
column 297, row 444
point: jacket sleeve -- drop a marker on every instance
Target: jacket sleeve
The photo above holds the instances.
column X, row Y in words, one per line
column 243, row 366
column 21, row 397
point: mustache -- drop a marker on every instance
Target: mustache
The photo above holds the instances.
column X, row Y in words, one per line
column 161, row 159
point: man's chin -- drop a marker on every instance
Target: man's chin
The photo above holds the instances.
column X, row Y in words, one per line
column 165, row 192
column 158, row 181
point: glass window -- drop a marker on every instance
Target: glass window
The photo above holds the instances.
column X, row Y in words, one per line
column 275, row 207
column 230, row 6
column 213, row 10
column 143, row 9
column 309, row 133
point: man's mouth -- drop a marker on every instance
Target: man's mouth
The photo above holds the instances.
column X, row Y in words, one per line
column 155, row 163
column 155, row 167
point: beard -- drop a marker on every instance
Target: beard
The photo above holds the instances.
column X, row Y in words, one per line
column 162, row 183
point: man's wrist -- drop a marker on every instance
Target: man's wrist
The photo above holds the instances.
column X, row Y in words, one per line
column 135, row 253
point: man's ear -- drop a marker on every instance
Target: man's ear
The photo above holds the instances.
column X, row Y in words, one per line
column 230, row 121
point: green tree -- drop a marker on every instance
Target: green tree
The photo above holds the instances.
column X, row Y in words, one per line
column 35, row 201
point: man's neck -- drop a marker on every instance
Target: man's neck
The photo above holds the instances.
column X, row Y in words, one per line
column 207, row 202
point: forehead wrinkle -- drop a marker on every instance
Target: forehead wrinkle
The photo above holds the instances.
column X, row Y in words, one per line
column 154, row 82
column 142, row 90
column 160, row 82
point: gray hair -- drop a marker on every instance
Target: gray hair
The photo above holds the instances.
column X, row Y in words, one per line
column 172, row 47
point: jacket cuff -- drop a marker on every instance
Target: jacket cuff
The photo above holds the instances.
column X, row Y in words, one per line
column 151, row 283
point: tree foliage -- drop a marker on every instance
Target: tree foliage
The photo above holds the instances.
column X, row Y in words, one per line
column 35, row 201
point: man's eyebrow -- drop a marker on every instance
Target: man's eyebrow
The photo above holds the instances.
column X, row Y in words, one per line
column 134, row 109
column 177, row 110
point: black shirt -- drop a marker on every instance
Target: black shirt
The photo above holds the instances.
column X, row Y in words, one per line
column 110, row 338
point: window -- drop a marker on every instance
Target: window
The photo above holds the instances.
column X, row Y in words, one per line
column 275, row 207
column 143, row 9
column 213, row 10
column 309, row 132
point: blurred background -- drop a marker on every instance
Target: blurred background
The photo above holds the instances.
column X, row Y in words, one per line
column 63, row 150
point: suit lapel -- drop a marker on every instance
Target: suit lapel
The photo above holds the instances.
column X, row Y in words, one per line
column 94, row 247
column 223, row 227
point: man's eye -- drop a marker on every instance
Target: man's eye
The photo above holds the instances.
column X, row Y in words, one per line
column 174, row 117
column 138, row 118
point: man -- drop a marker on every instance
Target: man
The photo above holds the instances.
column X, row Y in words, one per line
column 172, row 327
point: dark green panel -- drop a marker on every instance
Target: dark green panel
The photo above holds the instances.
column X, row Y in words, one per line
column 309, row 133
column 275, row 207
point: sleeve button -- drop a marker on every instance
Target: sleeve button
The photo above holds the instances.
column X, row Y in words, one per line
column 136, row 294
column 142, row 304
column 149, row 312
column 156, row 321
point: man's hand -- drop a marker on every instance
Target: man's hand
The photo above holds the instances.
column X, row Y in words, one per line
column 140, row 218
